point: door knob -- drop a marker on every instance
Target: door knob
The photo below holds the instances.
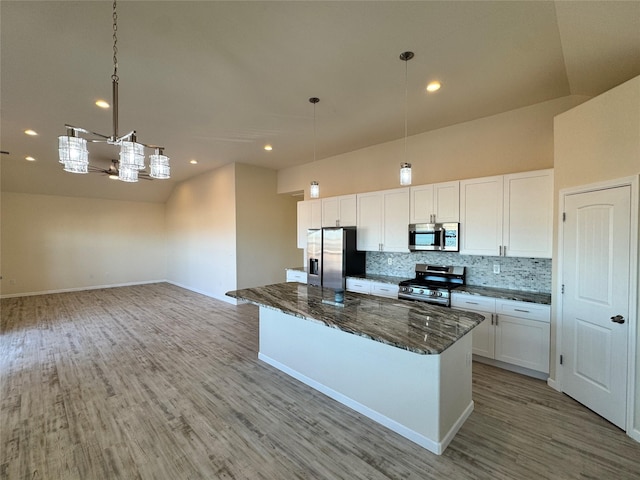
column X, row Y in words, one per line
column 618, row 319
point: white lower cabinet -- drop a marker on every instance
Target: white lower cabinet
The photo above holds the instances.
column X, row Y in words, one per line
column 517, row 333
column 369, row 287
column 296, row 276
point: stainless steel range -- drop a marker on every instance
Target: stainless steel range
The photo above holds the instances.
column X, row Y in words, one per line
column 432, row 284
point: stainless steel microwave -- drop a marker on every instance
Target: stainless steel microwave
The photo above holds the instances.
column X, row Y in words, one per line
column 442, row 237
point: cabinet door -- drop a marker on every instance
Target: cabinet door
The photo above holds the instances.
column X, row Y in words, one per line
column 316, row 213
column 330, row 212
column 396, row 220
column 347, row 211
column 481, row 202
column 309, row 216
column 304, row 223
column 446, row 201
column 358, row 285
column 528, row 214
column 484, row 334
column 484, row 337
column 421, row 204
column 522, row 342
column 369, row 222
column 384, row 290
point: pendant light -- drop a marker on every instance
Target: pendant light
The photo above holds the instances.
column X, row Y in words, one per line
column 314, row 190
column 405, row 167
column 72, row 148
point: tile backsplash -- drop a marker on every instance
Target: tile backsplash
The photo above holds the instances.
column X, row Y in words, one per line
column 528, row 274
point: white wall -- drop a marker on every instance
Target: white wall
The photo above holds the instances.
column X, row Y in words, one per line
column 201, row 233
column 53, row 243
column 597, row 141
column 228, row 229
column 265, row 228
column 510, row 142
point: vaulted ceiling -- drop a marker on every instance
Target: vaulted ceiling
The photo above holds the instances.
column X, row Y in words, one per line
column 216, row 81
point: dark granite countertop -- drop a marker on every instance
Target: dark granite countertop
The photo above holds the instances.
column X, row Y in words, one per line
column 506, row 294
column 414, row 326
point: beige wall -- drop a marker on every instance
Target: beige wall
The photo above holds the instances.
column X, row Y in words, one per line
column 597, row 141
column 511, row 142
column 53, row 243
column 201, row 233
column 266, row 228
column 228, row 229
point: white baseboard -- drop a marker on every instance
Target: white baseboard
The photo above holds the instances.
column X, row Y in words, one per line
column 553, row 384
column 512, row 368
column 635, row 434
column 79, row 289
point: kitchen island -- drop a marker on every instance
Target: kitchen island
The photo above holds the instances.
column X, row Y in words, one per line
column 406, row 365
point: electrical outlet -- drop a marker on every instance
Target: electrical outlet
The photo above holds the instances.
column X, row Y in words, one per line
column 496, row 268
column 389, row 261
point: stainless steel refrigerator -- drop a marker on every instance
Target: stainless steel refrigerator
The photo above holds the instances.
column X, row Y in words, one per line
column 314, row 257
column 340, row 257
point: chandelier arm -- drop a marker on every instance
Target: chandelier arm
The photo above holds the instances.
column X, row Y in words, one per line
column 84, row 130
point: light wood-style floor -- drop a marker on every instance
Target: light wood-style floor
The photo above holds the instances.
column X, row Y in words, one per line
column 156, row 382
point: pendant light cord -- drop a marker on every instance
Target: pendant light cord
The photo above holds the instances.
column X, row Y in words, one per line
column 406, row 105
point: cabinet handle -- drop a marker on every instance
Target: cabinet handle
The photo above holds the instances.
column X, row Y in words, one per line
column 492, row 319
column 472, row 303
column 496, row 319
column 337, row 223
column 519, row 310
column 504, row 251
column 500, row 251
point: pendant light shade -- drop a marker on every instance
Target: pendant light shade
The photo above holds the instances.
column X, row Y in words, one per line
column 405, row 174
column 314, row 191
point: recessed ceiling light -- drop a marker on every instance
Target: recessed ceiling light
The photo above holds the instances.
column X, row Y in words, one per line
column 30, row 159
column 193, row 162
column 433, row 86
column 268, row 148
column 102, row 104
column 31, row 132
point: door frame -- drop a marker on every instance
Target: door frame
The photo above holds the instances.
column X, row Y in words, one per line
column 633, row 291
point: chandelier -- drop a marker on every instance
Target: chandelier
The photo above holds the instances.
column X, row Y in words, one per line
column 72, row 147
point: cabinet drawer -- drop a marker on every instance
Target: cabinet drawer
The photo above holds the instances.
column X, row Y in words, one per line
column 296, row 276
column 358, row 286
column 530, row 311
column 473, row 302
column 384, row 290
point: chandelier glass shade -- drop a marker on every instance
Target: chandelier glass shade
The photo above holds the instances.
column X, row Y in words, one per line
column 72, row 148
column 73, row 153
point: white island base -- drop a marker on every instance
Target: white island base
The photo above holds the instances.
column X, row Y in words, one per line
column 425, row 398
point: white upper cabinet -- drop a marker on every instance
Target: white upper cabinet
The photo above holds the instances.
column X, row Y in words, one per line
column 309, row 216
column 339, row 211
column 481, row 202
column 437, row 202
column 507, row 215
column 383, row 220
column 528, row 214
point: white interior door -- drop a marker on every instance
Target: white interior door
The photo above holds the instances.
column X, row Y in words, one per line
column 595, row 307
